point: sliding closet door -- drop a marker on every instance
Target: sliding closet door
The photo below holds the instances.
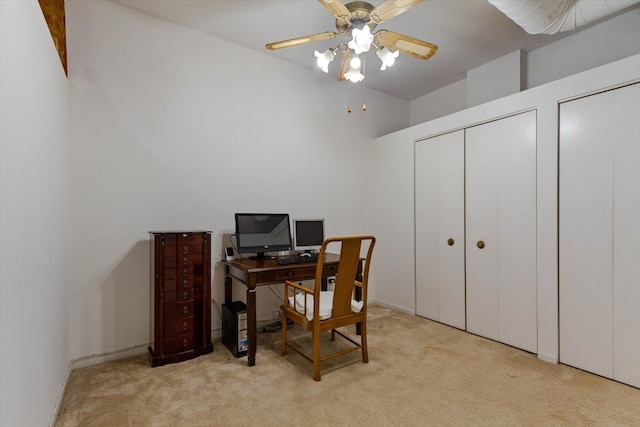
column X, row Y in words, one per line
column 439, row 218
column 501, row 230
column 599, row 234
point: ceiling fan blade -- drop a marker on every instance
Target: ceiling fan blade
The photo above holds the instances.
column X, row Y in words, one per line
column 405, row 44
column 338, row 10
column 300, row 40
column 391, row 8
column 344, row 64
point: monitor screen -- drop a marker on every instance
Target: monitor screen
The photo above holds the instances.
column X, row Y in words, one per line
column 308, row 234
column 260, row 233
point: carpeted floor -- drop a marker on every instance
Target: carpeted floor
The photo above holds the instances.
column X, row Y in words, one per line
column 421, row 373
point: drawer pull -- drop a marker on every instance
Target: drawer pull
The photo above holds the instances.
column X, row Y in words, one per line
column 185, row 261
column 184, row 342
column 184, row 273
column 184, row 326
column 480, row 244
column 185, row 295
column 450, row 242
column 185, row 250
column 184, row 284
column 185, row 309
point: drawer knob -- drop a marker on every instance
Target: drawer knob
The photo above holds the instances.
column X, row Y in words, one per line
column 184, row 342
column 184, row 273
column 185, row 295
column 480, row 244
column 184, row 283
column 450, row 242
column 185, row 261
column 185, row 250
column 185, row 309
column 184, row 326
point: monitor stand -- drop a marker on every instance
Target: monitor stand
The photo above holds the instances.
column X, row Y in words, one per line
column 260, row 256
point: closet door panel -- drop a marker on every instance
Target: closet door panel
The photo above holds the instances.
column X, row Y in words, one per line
column 426, row 223
column 501, row 214
column 481, row 194
column 439, row 195
column 517, row 232
column 626, row 236
column 586, row 234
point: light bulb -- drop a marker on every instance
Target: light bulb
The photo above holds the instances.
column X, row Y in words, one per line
column 362, row 40
column 324, row 59
column 387, row 57
column 355, row 62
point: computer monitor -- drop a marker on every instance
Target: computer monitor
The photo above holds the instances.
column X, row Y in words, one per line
column 308, row 234
column 262, row 232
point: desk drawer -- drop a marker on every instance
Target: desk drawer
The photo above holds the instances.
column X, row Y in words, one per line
column 295, row 273
column 304, row 273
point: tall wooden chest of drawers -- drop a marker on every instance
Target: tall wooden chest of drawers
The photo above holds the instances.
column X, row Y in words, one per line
column 180, row 296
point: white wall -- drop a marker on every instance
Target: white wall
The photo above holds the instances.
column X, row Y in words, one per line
column 34, row 215
column 446, row 100
column 176, row 129
column 392, row 276
column 590, row 47
column 496, row 79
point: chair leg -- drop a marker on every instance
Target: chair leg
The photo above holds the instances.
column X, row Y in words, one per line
column 363, row 337
column 333, row 335
column 316, row 355
column 284, row 333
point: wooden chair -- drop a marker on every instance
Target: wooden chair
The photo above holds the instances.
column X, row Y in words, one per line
column 337, row 308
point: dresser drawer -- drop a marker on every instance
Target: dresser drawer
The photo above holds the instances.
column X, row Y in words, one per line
column 178, row 343
column 179, row 310
column 185, row 238
column 190, row 273
column 183, row 260
column 178, row 326
column 183, row 295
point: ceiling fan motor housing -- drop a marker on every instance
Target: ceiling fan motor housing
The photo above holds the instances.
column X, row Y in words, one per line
column 359, row 16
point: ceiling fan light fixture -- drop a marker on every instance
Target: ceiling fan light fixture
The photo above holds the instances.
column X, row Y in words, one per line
column 324, row 59
column 354, row 75
column 387, row 57
column 362, row 40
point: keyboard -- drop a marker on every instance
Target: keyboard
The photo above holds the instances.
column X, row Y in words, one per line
column 297, row 259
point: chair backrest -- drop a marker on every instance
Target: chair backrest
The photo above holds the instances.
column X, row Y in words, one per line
column 350, row 249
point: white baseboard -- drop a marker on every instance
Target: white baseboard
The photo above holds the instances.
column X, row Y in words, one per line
column 63, row 390
column 548, row 358
column 392, row 307
column 95, row 359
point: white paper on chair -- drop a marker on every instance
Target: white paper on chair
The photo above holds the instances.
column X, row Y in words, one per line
column 326, row 303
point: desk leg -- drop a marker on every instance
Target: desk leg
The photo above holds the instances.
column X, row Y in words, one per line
column 228, row 286
column 252, row 331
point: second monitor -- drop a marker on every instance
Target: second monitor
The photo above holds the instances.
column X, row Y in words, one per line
column 308, row 234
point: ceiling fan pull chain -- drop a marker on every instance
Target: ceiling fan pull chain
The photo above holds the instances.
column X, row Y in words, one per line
column 364, row 85
column 349, row 108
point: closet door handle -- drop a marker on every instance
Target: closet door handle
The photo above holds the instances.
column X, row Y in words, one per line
column 480, row 244
column 450, row 242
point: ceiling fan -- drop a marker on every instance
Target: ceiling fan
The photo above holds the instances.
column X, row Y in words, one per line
column 357, row 19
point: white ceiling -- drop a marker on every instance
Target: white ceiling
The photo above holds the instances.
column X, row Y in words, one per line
column 469, row 33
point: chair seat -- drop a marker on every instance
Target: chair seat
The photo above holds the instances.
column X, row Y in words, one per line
column 325, row 309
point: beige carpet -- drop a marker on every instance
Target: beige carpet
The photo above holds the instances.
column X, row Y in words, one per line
column 420, row 373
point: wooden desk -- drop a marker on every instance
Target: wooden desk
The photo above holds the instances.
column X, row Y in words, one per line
column 252, row 273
